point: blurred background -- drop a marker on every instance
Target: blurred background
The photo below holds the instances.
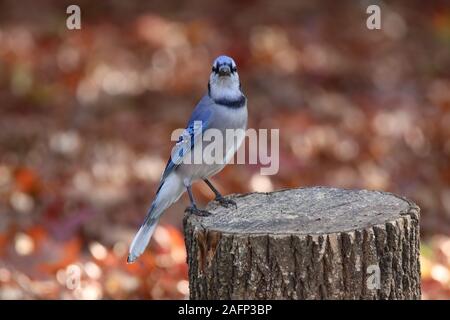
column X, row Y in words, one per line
column 86, row 117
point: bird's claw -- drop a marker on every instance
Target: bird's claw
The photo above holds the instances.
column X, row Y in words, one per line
column 197, row 211
column 224, row 202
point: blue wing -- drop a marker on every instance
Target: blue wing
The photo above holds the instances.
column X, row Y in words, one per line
column 198, row 123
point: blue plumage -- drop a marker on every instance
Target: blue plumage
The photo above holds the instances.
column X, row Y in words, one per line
column 223, row 107
column 200, row 114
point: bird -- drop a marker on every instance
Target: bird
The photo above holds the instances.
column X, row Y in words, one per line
column 223, row 107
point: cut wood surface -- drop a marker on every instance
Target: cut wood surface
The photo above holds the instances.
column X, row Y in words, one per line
column 308, row 243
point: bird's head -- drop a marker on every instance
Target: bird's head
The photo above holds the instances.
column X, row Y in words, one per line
column 224, row 80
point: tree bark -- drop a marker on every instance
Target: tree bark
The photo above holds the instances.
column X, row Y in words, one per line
column 309, row 243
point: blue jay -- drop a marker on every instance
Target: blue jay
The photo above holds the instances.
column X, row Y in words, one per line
column 223, row 107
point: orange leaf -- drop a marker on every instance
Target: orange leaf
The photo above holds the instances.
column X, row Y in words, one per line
column 27, row 180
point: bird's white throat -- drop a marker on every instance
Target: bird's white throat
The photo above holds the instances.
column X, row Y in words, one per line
column 225, row 88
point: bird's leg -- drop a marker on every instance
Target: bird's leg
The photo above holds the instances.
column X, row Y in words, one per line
column 219, row 198
column 193, row 208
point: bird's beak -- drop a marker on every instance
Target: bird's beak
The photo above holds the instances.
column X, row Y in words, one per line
column 224, row 70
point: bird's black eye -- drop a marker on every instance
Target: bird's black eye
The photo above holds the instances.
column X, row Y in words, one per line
column 214, row 69
column 233, row 69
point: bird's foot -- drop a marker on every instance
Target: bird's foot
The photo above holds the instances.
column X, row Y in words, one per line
column 197, row 211
column 224, row 202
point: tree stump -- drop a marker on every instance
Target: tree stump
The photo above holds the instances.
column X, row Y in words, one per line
column 308, row 243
